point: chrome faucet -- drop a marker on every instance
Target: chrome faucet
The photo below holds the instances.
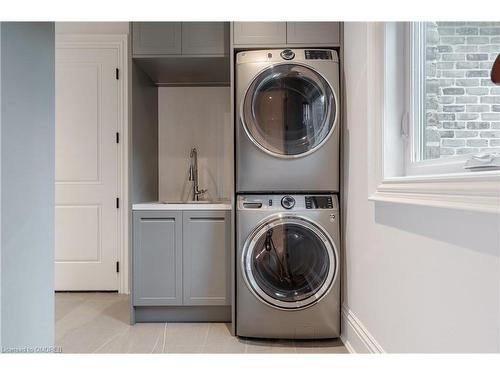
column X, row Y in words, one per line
column 193, row 174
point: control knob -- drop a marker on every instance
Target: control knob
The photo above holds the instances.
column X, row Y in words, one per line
column 287, row 54
column 287, row 202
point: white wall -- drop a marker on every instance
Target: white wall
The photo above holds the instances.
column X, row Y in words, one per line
column 417, row 279
column 27, row 190
column 92, row 27
column 194, row 117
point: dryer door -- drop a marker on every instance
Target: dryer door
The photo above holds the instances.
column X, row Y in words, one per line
column 289, row 263
column 289, row 110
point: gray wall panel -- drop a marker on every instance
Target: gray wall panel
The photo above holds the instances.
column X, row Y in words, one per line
column 144, row 137
column 27, row 191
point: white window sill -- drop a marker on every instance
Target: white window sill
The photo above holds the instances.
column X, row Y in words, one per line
column 476, row 191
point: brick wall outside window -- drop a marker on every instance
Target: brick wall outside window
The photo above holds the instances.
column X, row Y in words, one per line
column 462, row 105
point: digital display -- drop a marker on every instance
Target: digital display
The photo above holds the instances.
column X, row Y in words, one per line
column 312, row 54
column 319, row 201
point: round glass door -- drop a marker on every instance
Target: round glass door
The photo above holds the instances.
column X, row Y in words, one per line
column 289, row 263
column 289, row 110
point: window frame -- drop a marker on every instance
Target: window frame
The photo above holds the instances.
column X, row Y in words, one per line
column 435, row 184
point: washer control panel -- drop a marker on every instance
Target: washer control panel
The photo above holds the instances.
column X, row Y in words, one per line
column 288, row 202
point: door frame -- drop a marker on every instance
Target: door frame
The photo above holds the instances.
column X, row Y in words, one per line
column 119, row 42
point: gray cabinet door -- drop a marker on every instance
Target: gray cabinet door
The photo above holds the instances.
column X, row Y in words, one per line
column 205, row 38
column 313, row 33
column 248, row 33
column 157, row 257
column 206, row 256
column 156, row 38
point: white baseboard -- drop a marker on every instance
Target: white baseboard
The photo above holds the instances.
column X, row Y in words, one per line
column 355, row 336
column 348, row 345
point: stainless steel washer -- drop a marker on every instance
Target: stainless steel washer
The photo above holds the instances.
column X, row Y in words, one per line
column 288, row 266
column 287, row 133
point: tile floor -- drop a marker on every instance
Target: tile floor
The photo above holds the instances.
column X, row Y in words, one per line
column 98, row 323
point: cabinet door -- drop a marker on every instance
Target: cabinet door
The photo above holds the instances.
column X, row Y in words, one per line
column 205, row 38
column 156, row 38
column 259, row 33
column 206, row 258
column 157, row 257
column 313, row 33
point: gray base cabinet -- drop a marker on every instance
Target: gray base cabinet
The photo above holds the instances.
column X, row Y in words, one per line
column 206, row 258
column 181, row 258
column 157, row 258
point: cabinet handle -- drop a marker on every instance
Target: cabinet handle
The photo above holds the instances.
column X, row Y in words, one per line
column 157, row 219
column 199, row 218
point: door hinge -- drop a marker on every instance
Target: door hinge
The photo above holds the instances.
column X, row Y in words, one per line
column 117, row 267
column 117, row 137
column 117, row 202
column 117, row 73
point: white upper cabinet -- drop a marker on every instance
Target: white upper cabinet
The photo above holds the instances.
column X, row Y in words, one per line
column 156, row 38
column 287, row 33
column 205, row 38
column 249, row 33
column 313, row 32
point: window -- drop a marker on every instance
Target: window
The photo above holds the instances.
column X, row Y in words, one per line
column 453, row 107
column 430, row 106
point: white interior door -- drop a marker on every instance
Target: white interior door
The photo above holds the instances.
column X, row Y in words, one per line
column 86, row 177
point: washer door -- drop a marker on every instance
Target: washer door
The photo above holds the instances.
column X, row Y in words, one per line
column 288, row 262
column 289, row 110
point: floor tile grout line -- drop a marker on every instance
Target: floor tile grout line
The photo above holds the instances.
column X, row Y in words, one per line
column 246, row 343
column 156, row 342
column 91, row 313
column 94, row 315
column 113, row 337
column 206, row 337
column 164, row 337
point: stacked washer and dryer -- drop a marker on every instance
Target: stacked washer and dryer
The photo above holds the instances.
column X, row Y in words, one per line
column 287, row 181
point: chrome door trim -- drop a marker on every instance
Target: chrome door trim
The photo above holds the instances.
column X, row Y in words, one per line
column 281, row 156
column 261, row 228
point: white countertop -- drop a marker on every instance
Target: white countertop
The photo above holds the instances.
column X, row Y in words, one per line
column 183, row 206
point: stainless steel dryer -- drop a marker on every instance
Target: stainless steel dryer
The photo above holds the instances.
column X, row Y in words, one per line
column 288, row 266
column 287, row 133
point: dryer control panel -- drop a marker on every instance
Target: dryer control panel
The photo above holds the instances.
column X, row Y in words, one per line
column 292, row 55
column 318, row 54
